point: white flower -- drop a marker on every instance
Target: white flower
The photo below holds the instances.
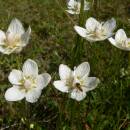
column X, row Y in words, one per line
column 15, row 38
column 74, row 6
column 76, row 82
column 27, row 83
column 96, row 31
column 121, row 41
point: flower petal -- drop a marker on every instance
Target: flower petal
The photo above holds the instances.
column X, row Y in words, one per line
column 81, row 31
column 16, row 27
column 64, row 72
column 43, row 80
column 110, row 25
column 72, row 12
column 82, row 70
column 30, row 68
column 15, row 76
column 78, row 95
column 71, row 3
column 61, row 86
column 14, row 94
column 112, row 41
column 33, row 96
column 2, row 37
column 120, row 36
column 86, row 5
column 92, row 24
column 90, row 83
column 25, row 37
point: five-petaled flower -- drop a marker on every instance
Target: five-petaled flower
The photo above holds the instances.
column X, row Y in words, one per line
column 121, row 41
column 15, row 38
column 27, row 83
column 76, row 82
column 74, row 6
column 96, row 31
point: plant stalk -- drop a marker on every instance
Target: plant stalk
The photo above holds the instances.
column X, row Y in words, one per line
column 78, row 49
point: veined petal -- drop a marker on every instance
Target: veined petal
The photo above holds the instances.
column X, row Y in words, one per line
column 61, row 86
column 118, row 45
column 43, row 80
column 91, row 24
column 30, row 68
column 120, row 36
column 82, row 70
column 81, row 31
column 110, row 25
column 90, row 83
column 78, row 95
column 25, row 37
column 33, row 95
column 15, row 76
column 2, row 37
column 14, row 94
column 64, row 72
column 16, row 27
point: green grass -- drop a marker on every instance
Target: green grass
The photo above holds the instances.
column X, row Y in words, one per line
column 52, row 39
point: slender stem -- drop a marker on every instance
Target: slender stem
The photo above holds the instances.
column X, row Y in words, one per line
column 27, row 113
column 128, row 63
column 77, row 51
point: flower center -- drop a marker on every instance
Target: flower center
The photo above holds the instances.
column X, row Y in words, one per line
column 12, row 41
column 27, row 84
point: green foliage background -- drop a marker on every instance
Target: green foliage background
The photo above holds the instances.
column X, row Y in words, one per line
column 51, row 43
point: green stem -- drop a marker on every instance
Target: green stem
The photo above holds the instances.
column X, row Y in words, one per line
column 77, row 51
column 129, row 63
column 27, row 116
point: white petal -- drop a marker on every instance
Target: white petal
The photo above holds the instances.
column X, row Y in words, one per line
column 14, row 94
column 72, row 12
column 120, row 36
column 112, row 41
column 25, row 37
column 43, row 80
column 15, row 76
column 2, row 37
column 110, row 25
column 78, row 95
column 82, row 70
column 81, row 31
column 61, row 86
column 16, row 27
column 64, row 72
column 33, row 96
column 30, row 68
column 86, row 5
column 90, row 83
column 92, row 24
column 18, row 49
column 71, row 3
column 7, row 50
column 2, row 50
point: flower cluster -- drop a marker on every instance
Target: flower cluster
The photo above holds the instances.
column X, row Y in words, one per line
column 28, row 84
